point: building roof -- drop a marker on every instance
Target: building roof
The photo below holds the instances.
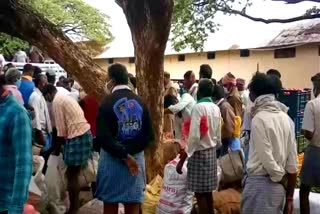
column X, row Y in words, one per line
column 305, row 32
column 297, row 35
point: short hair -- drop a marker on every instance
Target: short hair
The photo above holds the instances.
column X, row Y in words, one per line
column 51, row 78
column 205, row 87
column 38, row 79
column 262, row 84
column 166, row 75
column 274, row 72
column 316, row 81
column 205, row 71
column 37, row 71
column 188, row 75
column 119, row 74
column 12, row 75
column 218, row 92
column 28, row 68
column 49, row 89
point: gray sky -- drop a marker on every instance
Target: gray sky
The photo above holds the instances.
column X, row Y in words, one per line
column 234, row 28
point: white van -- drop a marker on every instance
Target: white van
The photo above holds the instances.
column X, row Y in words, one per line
column 59, row 71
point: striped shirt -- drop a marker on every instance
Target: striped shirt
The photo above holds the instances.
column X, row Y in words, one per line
column 69, row 117
column 16, row 155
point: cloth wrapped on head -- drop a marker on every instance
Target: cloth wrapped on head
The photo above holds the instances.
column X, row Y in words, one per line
column 229, row 79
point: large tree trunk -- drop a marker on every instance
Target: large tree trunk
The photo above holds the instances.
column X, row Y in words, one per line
column 149, row 22
column 18, row 19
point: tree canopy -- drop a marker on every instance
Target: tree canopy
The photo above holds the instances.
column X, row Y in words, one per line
column 193, row 20
column 75, row 17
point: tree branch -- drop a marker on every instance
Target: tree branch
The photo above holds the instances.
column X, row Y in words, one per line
column 72, row 29
column 269, row 21
column 296, row 1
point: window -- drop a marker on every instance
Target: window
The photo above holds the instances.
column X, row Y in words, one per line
column 181, row 58
column 211, row 55
column 110, row 61
column 285, row 53
column 132, row 60
column 244, row 53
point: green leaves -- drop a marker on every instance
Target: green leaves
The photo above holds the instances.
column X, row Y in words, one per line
column 194, row 20
column 76, row 18
column 9, row 44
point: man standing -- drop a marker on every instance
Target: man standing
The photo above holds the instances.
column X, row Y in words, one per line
column 272, row 163
column 20, row 56
column 27, row 85
column 201, row 148
column 170, row 98
column 74, row 128
column 229, row 137
column 41, row 124
column 244, row 93
column 310, row 172
column 15, row 152
column 182, row 110
column 13, row 82
column 190, row 83
column 124, row 130
column 233, row 96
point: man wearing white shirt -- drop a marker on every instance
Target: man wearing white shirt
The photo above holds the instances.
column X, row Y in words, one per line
column 182, row 110
column 201, row 148
column 41, row 123
column 20, row 56
column 272, row 154
column 310, row 172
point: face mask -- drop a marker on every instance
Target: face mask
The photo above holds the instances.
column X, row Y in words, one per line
column 18, row 83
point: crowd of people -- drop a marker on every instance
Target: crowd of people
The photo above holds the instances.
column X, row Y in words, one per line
column 57, row 117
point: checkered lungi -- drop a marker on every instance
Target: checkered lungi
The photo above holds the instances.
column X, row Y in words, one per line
column 262, row 196
column 78, row 150
column 202, row 171
column 310, row 171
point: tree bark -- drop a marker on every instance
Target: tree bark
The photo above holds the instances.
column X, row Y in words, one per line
column 19, row 20
column 150, row 22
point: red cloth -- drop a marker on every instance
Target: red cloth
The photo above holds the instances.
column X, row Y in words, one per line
column 90, row 108
column 204, row 128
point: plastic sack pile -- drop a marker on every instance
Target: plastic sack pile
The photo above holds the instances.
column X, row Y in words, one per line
column 174, row 197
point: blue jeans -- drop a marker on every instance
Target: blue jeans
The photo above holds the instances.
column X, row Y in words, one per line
column 48, row 144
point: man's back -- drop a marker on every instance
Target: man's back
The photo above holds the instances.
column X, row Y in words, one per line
column 20, row 56
column 69, row 117
column 210, row 111
column 271, row 145
column 125, row 113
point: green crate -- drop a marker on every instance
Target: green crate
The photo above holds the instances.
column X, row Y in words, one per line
column 302, row 143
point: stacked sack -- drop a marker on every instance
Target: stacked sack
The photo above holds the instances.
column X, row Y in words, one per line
column 175, row 197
